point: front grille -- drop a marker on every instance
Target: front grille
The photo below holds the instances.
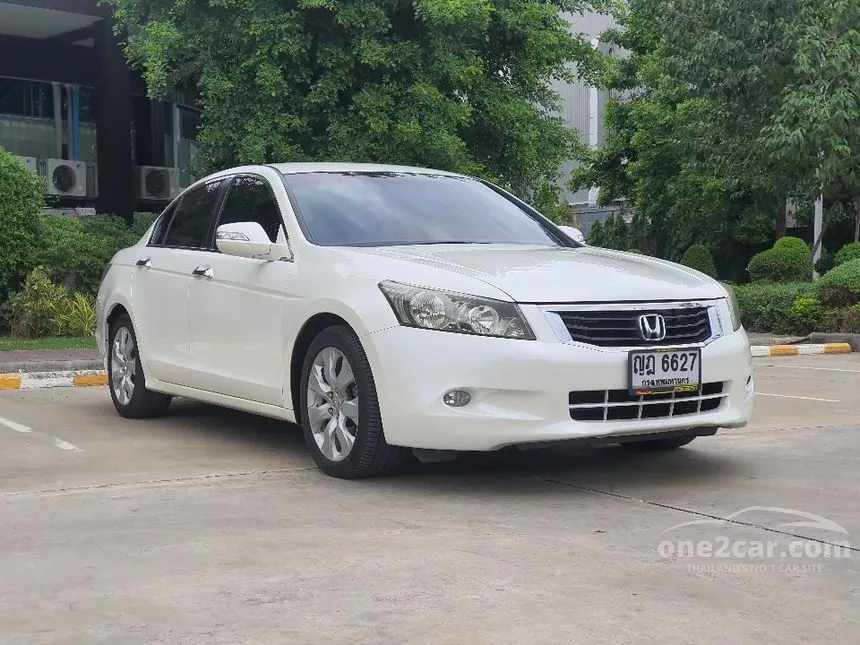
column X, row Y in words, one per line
column 620, row 328
column 620, row 405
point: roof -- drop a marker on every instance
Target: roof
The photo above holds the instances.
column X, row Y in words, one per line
column 292, row 168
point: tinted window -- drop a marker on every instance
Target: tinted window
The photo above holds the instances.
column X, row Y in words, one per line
column 161, row 224
column 251, row 200
column 190, row 225
column 371, row 209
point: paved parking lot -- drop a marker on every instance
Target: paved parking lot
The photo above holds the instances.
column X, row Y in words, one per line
column 213, row 527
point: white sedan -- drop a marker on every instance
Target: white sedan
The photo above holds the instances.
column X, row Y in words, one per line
column 392, row 310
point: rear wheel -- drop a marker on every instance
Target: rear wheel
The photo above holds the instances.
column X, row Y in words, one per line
column 653, row 445
column 339, row 409
column 126, row 380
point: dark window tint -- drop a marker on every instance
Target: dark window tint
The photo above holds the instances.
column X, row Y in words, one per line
column 161, row 224
column 372, row 209
column 190, row 225
column 251, row 200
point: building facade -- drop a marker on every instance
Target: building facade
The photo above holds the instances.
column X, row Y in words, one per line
column 74, row 111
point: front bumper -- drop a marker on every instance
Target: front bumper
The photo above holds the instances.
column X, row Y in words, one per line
column 520, row 390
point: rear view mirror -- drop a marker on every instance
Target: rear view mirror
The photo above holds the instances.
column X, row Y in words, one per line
column 249, row 240
column 573, row 233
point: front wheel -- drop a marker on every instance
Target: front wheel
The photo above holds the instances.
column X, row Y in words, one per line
column 339, row 409
column 126, row 380
column 654, row 445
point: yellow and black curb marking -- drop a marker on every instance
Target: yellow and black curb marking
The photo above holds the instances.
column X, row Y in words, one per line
column 800, row 350
column 34, row 380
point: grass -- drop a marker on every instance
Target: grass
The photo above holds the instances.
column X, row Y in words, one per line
column 8, row 343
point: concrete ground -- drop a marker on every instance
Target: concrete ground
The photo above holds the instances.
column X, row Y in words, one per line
column 213, row 527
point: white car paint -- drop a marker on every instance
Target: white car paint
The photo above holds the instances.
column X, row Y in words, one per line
column 228, row 339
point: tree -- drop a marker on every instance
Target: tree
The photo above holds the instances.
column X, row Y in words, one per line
column 455, row 84
column 723, row 111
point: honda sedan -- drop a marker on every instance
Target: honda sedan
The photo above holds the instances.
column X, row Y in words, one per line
column 394, row 311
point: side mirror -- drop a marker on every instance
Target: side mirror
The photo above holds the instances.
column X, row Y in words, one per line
column 573, row 233
column 249, row 240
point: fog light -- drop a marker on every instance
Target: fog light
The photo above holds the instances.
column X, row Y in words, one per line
column 456, row 398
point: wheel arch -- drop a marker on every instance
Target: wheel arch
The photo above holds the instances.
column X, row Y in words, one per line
column 312, row 327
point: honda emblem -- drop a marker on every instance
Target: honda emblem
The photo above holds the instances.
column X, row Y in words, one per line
column 652, row 327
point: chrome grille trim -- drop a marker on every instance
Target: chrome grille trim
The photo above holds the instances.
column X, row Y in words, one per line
column 553, row 315
column 620, row 405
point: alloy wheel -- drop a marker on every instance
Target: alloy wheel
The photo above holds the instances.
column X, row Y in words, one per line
column 332, row 404
column 123, row 366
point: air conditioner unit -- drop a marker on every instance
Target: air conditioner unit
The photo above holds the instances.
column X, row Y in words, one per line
column 92, row 180
column 157, row 183
column 66, row 178
column 31, row 162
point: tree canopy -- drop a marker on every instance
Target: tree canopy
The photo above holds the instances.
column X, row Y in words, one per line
column 459, row 85
column 723, row 110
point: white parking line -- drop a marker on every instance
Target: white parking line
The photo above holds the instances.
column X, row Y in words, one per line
column 54, row 441
column 801, row 398
column 822, row 369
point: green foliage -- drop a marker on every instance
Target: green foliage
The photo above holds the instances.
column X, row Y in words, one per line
column 722, row 111
column 548, row 202
column 637, row 251
column 40, row 306
column 21, row 201
column 805, row 314
column 75, row 250
column 80, row 318
column 844, row 320
column 789, row 260
column 765, row 306
column 699, row 257
column 841, row 285
column 455, row 84
column 848, row 252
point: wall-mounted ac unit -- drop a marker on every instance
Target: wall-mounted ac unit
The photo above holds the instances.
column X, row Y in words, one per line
column 66, row 178
column 31, row 162
column 92, row 180
column 157, row 183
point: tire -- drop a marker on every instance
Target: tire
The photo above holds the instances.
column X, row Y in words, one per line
column 345, row 435
column 130, row 396
column 654, row 445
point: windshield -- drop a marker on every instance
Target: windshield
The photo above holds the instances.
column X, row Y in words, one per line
column 390, row 208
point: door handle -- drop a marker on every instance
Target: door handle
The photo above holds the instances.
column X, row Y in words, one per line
column 203, row 272
column 144, row 262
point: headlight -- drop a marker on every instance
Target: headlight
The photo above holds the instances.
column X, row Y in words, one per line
column 446, row 311
column 734, row 309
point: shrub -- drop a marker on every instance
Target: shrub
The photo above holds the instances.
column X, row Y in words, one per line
column 22, row 196
column 765, row 306
column 39, row 308
column 80, row 319
column 699, row 257
column 805, row 314
column 845, row 320
column 790, row 260
column 840, row 286
column 847, row 253
column 75, row 250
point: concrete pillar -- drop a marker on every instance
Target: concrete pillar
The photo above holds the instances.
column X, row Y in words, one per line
column 113, row 125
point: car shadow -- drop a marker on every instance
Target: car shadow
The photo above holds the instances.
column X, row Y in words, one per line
column 567, row 470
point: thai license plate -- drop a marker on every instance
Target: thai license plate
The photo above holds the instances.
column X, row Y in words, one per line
column 657, row 371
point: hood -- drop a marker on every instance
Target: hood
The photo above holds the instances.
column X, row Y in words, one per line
column 539, row 274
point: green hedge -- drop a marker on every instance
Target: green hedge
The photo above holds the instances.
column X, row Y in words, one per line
column 75, row 250
column 699, row 257
column 848, row 252
column 790, row 260
column 22, row 196
column 766, row 307
column 840, row 287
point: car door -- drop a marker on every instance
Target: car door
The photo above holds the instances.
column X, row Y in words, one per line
column 162, row 276
column 236, row 312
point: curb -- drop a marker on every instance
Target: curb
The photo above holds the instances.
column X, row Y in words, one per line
column 800, row 350
column 35, row 380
